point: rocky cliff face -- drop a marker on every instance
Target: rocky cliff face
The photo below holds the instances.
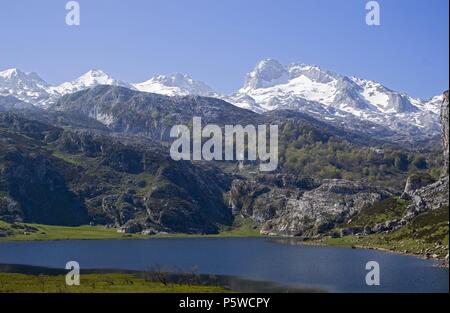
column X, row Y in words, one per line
column 97, row 171
column 131, row 112
column 308, row 208
column 33, row 184
column 424, row 194
column 445, row 125
column 434, row 196
column 52, row 176
column 301, row 206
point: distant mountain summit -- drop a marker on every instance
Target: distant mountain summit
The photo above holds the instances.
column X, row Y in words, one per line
column 335, row 98
column 90, row 79
column 267, row 73
column 272, row 85
column 176, row 85
column 343, row 101
column 27, row 87
column 31, row 88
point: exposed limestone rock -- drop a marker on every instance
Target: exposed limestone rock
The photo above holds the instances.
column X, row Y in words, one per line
column 445, row 134
column 435, row 195
column 52, row 176
column 424, row 194
column 293, row 211
column 431, row 197
column 416, row 182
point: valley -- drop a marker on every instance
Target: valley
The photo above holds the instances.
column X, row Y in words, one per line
column 100, row 157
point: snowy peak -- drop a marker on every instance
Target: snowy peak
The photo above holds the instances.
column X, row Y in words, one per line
column 24, row 86
column 385, row 99
column 176, row 85
column 90, row 79
column 95, row 77
column 273, row 85
column 312, row 72
column 432, row 105
column 269, row 86
column 29, row 87
column 10, row 73
column 334, row 97
column 14, row 78
column 267, row 73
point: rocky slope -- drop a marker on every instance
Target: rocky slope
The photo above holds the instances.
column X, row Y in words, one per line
column 100, row 156
column 445, row 132
column 11, row 103
column 436, row 195
column 418, row 222
column 52, row 176
column 304, row 207
column 126, row 111
column 287, row 205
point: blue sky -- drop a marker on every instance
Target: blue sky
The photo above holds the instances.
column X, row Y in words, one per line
column 219, row 41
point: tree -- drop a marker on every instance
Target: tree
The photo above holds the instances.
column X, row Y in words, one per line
column 401, row 162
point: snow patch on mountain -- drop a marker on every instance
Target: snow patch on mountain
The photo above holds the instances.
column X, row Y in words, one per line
column 176, row 85
column 333, row 97
column 344, row 101
column 28, row 87
column 90, row 79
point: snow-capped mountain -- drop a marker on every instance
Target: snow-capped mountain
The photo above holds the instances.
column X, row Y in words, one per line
column 90, row 79
column 10, row 102
column 28, row 87
column 349, row 102
column 333, row 97
column 176, row 85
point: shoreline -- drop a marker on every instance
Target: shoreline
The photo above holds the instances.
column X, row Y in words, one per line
column 443, row 261
column 98, row 232
column 318, row 243
column 218, row 283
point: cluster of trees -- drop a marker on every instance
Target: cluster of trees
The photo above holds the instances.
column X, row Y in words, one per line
column 306, row 150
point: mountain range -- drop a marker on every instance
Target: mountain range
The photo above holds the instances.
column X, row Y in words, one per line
column 100, row 155
column 348, row 102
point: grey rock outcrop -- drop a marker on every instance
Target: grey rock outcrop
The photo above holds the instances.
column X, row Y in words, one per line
column 131, row 112
column 305, row 212
column 435, row 195
column 414, row 183
column 445, row 133
column 432, row 196
column 52, row 176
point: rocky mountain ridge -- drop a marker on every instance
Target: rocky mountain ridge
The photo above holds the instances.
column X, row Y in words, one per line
column 346, row 102
column 52, row 176
column 102, row 153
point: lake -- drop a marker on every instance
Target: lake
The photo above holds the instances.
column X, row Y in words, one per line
column 327, row 268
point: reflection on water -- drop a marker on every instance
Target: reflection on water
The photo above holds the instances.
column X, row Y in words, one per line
column 233, row 283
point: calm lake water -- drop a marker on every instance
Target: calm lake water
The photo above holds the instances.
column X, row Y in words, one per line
column 332, row 269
